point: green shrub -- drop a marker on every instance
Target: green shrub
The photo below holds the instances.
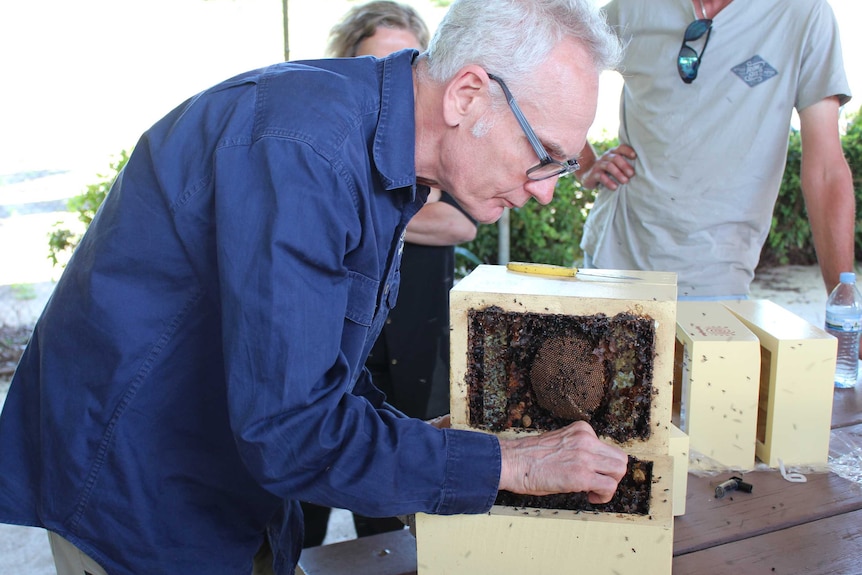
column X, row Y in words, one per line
column 789, row 240
column 62, row 241
column 852, row 143
column 547, row 234
column 552, row 234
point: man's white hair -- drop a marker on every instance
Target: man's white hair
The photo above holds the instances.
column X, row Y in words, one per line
column 513, row 38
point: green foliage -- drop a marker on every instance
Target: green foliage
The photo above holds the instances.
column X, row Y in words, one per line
column 852, row 142
column 23, row 291
column 789, row 237
column 62, row 241
column 551, row 234
column 546, row 234
column 789, row 240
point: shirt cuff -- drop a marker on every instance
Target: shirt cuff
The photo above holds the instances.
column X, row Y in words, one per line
column 472, row 472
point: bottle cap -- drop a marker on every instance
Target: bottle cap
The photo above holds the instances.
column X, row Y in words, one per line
column 847, row 277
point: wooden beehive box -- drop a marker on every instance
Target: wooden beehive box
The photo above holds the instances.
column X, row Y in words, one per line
column 717, row 379
column 796, row 384
column 679, row 450
column 505, row 327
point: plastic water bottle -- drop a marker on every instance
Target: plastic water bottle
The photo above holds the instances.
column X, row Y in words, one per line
column 844, row 321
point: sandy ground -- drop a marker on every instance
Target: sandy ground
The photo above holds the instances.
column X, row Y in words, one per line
column 27, row 278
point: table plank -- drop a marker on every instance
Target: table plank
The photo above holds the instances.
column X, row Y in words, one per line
column 847, row 407
column 845, row 452
column 826, row 547
column 774, row 504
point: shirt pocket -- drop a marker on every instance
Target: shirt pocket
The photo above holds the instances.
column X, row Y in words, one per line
column 361, row 299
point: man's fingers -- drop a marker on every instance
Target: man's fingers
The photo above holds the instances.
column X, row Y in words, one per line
column 612, row 465
column 606, row 480
column 627, row 151
column 597, row 497
column 607, row 181
column 611, row 169
column 580, row 427
column 620, row 168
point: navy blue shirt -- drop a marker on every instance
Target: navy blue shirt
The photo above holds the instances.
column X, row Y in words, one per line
column 199, row 366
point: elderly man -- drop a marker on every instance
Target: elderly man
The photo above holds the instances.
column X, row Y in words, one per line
column 199, row 368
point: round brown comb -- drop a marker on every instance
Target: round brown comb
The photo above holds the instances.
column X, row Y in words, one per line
column 568, row 378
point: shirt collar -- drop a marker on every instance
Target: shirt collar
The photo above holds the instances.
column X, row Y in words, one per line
column 395, row 138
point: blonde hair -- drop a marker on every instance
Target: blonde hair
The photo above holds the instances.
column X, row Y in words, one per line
column 362, row 21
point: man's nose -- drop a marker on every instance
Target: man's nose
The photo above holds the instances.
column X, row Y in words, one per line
column 542, row 190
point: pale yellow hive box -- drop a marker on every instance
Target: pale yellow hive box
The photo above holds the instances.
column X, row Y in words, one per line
column 679, row 450
column 796, row 384
column 716, row 379
column 514, row 338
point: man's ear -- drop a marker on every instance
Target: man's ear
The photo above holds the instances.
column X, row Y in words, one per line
column 466, row 96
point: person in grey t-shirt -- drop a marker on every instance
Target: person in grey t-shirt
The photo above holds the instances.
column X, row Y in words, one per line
column 703, row 140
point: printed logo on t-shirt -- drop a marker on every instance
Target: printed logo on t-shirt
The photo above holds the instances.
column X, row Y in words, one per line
column 754, row 71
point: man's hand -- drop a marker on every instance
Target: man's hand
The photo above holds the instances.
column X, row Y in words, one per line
column 611, row 169
column 568, row 460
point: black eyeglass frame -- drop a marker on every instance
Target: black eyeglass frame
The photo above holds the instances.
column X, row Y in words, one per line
column 688, row 73
column 540, row 171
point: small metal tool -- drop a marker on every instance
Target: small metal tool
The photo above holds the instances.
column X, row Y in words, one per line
column 732, row 484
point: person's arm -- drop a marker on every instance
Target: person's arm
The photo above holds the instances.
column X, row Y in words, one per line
column 610, row 170
column 827, row 186
column 440, row 224
column 567, row 460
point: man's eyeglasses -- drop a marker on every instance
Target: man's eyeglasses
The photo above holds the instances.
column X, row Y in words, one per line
column 688, row 60
column 547, row 166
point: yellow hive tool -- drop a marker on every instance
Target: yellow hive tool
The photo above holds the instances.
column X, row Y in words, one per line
column 559, row 271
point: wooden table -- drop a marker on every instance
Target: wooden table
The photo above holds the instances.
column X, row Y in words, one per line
column 847, row 407
column 779, row 528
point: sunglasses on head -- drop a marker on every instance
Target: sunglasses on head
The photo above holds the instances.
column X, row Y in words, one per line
column 688, row 60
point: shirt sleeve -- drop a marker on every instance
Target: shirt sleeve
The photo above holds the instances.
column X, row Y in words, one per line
column 821, row 72
column 295, row 318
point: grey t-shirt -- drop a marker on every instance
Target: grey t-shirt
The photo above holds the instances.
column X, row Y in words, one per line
column 711, row 153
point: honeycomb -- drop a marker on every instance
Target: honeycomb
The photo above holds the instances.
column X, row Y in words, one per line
column 568, row 378
column 531, row 371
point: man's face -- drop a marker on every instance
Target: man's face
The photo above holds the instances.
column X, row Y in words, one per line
column 486, row 171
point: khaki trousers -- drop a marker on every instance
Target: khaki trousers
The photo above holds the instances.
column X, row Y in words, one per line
column 70, row 560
